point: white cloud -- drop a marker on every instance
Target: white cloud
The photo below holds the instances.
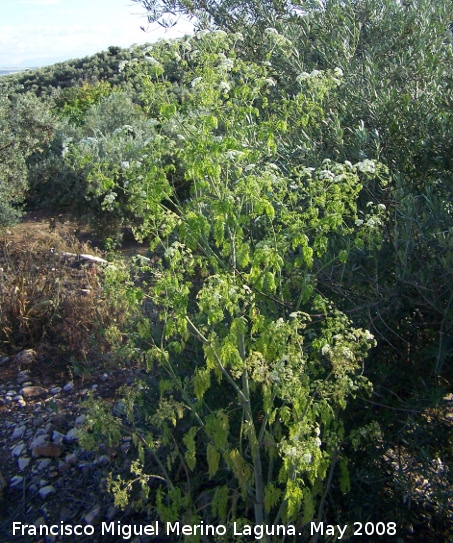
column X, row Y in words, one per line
column 22, row 45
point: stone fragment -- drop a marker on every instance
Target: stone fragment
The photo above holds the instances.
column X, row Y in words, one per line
column 72, row 435
column 16, row 481
column 111, row 512
column 23, row 376
column 93, row 515
column 51, row 450
column 46, row 491
column 25, row 358
column 57, row 437
column 17, row 449
column 37, row 421
column 55, row 390
column 80, row 421
column 49, row 428
column 23, row 462
column 68, row 386
column 40, row 438
column 33, row 392
column 103, row 461
column 71, row 459
column 42, row 464
column 18, row 432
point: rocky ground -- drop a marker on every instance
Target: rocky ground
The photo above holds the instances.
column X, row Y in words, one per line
column 46, row 477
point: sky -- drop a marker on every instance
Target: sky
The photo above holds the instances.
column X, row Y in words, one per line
column 42, row 32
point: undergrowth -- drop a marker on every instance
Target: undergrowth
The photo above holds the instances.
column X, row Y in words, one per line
column 54, row 301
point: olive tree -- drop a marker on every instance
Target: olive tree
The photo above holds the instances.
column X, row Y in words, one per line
column 26, row 126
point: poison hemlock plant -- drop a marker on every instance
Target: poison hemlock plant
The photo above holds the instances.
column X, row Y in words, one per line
column 256, row 365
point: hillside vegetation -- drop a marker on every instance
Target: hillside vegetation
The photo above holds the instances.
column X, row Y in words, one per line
column 47, row 80
column 291, row 173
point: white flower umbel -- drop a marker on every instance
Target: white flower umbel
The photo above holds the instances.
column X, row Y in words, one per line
column 195, row 81
column 224, row 86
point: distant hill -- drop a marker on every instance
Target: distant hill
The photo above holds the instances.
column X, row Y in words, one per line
column 103, row 66
column 4, row 70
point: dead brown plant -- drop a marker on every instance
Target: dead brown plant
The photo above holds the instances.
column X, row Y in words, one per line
column 51, row 300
